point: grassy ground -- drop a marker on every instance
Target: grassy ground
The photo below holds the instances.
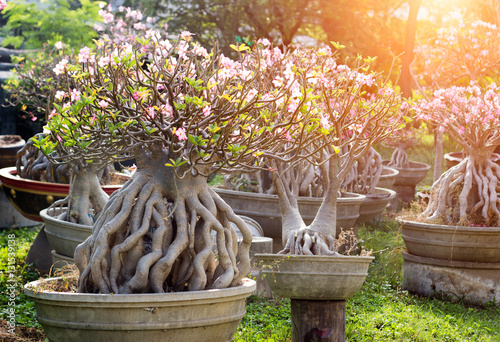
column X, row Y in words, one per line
column 381, row 311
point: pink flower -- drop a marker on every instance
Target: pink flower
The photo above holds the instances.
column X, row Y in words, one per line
column 150, row 112
column 60, row 95
column 108, row 18
column 84, row 55
column 60, row 67
column 75, row 95
column 103, row 104
column 166, row 110
column 136, row 96
column 59, row 45
column 139, row 26
column 207, row 110
column 3, row 4
column 186, row 35
column 34, row 118
column 181, row 133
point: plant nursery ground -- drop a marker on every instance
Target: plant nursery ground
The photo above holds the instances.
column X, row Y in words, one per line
column 381, row 311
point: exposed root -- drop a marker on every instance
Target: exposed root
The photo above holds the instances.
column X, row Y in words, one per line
column 364, row 174
column 309, row 242
column 466, row 194
column 33, row 164
column 399, row 159
column 150, row 240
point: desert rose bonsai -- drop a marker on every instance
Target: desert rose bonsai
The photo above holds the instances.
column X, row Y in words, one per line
column 40, row 81
column 183, row 113
column 466, row 192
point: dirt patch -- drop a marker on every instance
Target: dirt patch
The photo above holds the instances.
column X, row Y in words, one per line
column 22, row 334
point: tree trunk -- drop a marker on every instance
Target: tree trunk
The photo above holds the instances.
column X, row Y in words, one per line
column 318, row 320
column 157, row 234
column 411, row 29
column 438, row 161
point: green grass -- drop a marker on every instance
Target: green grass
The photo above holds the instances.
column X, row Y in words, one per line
column 380, row 311
column 13, row 282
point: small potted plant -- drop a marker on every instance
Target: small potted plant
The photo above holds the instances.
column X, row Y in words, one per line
column 410, row 173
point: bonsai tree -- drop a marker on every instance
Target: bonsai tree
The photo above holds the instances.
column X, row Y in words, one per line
column 39, row 82
column 466, row 192
column 184, row 113
column 364, row 174
column 456, row 55
column 401, row 141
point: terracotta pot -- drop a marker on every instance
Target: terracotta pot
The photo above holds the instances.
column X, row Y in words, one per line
column 211, row 315
column 388, row 177
column 313, row 277
column 374, row 204
column 453, row 262
column 9, row 145
column 454, row 243
column 266, row 211
column 29, row 197
column 63, row 236
column 412, row 175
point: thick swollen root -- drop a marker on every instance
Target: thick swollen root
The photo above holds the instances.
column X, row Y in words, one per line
column 146, row 242
column 466, row 194
column 399, row 159
column 309, row 242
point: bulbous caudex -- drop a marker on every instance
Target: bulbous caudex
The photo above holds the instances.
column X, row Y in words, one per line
column 156, row 235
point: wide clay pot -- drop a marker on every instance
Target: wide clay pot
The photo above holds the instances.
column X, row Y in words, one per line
column 211, row 315
column 388, row 177
column 266, row 211
column 411, row 175
column 374, row 204
column 406, row 182
column 455, row 262
column 63, row 236
column 9, row 216
column 314, row 277
column 29, row 197
column 454, row 158
column 456, row 243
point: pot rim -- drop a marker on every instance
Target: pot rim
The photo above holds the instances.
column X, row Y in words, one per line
column 47, row 217
column 353, row 197
column 445, row 227
column 319, row 258
column 248, row 285
column 9, row 176
column 419, row 166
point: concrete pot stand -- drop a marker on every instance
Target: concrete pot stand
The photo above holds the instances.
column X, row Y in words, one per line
column 318, row 287
column 460, row 263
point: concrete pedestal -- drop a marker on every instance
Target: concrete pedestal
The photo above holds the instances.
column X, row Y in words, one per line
column 472, row 282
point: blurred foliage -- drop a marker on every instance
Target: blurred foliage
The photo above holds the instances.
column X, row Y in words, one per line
column 32, row 24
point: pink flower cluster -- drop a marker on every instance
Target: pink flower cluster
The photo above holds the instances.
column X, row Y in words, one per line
column 470, row 114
